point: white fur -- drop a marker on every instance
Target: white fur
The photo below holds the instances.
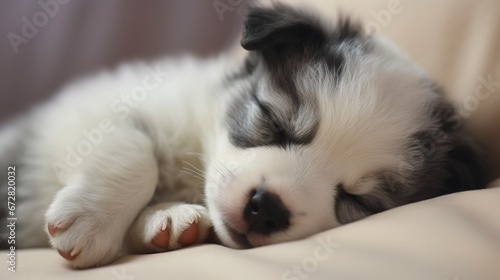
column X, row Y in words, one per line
column 177, row 133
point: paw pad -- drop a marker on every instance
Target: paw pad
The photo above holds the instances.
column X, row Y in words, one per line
column 162, row 238
column 189, row 235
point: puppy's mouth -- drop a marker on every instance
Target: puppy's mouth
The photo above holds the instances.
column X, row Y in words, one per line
column 238, row 238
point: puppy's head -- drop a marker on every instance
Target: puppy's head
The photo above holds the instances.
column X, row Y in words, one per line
column 327, row 126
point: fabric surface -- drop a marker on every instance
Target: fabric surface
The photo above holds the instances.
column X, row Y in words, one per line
column 453, row 237
column 448, row 238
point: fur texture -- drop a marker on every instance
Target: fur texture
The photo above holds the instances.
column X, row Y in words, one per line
column 320, row 126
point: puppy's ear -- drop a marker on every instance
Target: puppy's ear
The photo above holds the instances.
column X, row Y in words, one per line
column 458, row 155
column 466, row 165
column 279, row 28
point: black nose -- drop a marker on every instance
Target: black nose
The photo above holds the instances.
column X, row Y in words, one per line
column 265, row 213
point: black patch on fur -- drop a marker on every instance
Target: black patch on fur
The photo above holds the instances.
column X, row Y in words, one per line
column 247, row 131
column 281, row 28
column 282, row 41
column 335, row 61
column 259, row 127
column 286, row 38
column 453, row 160
column 346, row 32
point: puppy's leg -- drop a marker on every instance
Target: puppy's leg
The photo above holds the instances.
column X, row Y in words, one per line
column 168, row 226
column 90, row 216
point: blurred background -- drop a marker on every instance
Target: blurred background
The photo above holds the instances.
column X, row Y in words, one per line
column 49, row 42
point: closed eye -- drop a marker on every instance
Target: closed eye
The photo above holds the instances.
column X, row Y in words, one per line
column 277, row 131
column 350, row 207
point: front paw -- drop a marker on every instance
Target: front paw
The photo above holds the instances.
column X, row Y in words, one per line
column 166, row 227
column 82, row 233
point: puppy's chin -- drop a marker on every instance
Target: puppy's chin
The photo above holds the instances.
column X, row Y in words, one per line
column 233, row 239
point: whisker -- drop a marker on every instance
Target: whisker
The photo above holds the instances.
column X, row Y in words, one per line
column 190, row 172
column 195, row 168
column 194, row 171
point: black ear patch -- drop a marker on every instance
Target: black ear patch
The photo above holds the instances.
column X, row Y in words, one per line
column 461, row 159
column 279, row 28
column 467, row 168
column 286, row 38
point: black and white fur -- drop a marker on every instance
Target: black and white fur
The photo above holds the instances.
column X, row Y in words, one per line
column 335, row 125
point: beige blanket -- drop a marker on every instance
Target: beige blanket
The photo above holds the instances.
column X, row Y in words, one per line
column 453, row 237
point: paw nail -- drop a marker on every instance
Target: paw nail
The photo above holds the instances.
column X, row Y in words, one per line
column 62, row 225
column 69, row 256
column 75, row 252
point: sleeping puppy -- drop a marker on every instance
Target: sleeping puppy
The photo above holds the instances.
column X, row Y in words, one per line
column 320, row 125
